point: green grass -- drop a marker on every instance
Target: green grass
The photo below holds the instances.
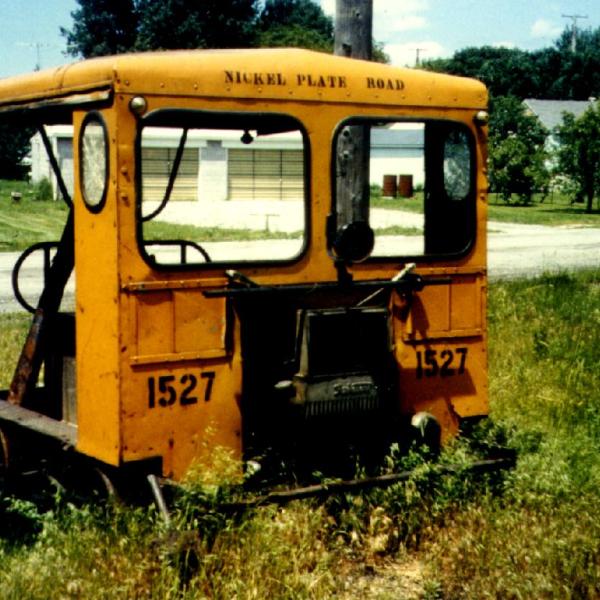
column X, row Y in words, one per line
column 414, row 204
column 30, row 220
column 541, row 537
column 13, row 329
column 159, row 230
column 555, row 210
column 532, row 533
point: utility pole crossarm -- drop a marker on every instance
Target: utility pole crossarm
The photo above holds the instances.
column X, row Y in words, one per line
column 574, row 29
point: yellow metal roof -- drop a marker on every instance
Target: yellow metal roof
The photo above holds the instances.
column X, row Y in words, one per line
column 269, row 73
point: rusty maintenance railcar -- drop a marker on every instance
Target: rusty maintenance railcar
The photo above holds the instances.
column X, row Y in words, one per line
column 237, row 282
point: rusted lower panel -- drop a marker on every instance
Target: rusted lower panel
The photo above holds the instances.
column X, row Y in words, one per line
column 34, row 421
column 28, row 367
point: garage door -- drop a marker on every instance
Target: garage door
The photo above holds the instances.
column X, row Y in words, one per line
column 266, row 174
column 156, row 168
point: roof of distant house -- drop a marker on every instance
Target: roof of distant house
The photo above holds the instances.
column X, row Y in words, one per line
column 550, row 112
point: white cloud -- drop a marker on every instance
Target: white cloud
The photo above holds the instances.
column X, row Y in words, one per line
column 390, row 16
column 543, row 28
column 400, row 6
column 328, row 7
column 391, row 20
column 405, row 55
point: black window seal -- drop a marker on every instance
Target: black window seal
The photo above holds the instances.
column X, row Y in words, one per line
column 421, row 258
column 96, row 117
column 200, row 113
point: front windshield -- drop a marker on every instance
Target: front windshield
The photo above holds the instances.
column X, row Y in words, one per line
column 221, row 188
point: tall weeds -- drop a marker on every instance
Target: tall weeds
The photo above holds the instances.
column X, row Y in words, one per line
column 541, row 537
column 531, row 532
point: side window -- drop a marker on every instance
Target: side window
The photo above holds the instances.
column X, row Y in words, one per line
column 217, row 187
column 93, row 161
column 423, row 173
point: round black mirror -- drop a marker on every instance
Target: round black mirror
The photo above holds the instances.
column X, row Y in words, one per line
column 354, row 241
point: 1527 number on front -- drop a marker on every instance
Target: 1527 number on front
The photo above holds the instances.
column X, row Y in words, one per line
column 444, row 363
column 167, row 390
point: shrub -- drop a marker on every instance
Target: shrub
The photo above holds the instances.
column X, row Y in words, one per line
column 43, row 190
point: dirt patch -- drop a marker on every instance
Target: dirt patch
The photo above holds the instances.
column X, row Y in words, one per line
column 389, row 580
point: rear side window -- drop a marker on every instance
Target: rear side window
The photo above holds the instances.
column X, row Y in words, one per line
column 424, row 171
column 93, row 160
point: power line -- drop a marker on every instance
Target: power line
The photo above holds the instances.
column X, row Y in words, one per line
column 38, row 47
column 418, row 57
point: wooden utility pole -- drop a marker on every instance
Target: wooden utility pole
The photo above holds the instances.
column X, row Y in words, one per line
column 574, row 30
column 353, row 39
column 354, row 28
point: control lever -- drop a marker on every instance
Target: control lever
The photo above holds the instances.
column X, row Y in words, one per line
column 397, row 277
column 235, row 277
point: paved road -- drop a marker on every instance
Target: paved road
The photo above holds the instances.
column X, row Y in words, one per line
column 514, row 250
column 528, row 250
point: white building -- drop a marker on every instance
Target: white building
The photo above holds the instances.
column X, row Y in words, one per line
column 218, row 166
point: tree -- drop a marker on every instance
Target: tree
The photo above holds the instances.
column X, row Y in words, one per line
column 102, row 27
column 555, row 72
column 14, row 147
column 295, row 23
column 505, row 71
column 170, row 24
column 579, row 153
column 517, row 155
column 302, row 13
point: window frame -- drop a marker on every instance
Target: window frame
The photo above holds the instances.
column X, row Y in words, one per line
column 97, row 118
column 187, row 117
column 471, row 197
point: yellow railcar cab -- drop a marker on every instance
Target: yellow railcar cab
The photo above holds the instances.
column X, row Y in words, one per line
column 240, row 282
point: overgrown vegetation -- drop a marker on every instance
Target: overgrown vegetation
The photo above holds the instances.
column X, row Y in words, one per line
column 31, row 219
column 530, row 533
column 541, row 538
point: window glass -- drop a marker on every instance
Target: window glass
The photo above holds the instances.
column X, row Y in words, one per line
column 457, row 165
column 415, row 186
column 94, row 162
column 221, row 187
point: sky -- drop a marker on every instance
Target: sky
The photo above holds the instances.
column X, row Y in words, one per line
column 433, row 28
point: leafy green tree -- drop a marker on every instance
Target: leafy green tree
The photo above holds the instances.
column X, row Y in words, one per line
column 102, row 27
column 295, row 23
column 517, row 155
column 555, row 72
column 302, row 13
column 505, row 71
column 294, row 36
column 170, row 24
column 579, row 153
column 14, row 147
